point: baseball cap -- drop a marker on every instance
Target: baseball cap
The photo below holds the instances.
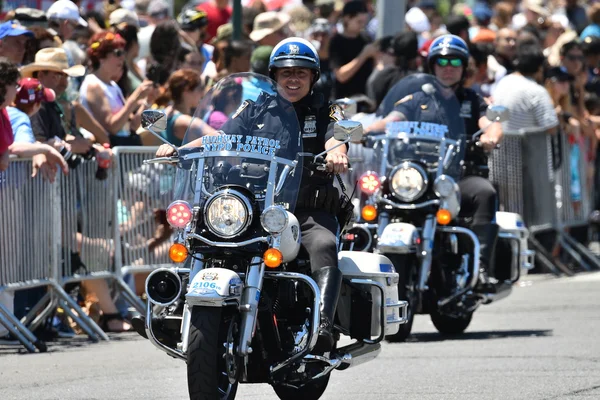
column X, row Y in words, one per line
column 13, row 28
column 123, row 16
column 32, row 91
column 65, row 9
column 158, row 9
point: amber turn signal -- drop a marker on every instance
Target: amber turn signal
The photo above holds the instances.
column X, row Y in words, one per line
column 273, row 258
column 369, row 213
column 178, row 253
column 443, row 217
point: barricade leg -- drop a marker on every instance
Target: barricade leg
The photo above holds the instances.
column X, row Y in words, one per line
column 575, row 256
column 41, row 317
column 130, row 297
column 552, row 265
column 581, row 251
column 34, row 314
column 18, row 330
column 85, row 323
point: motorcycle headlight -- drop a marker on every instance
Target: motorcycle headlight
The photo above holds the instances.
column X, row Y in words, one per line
column 228, row 213
column 444, row 186
column 274, row 219
column 408, row 181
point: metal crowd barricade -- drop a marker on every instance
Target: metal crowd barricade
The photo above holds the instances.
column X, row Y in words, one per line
column 525, row 174
column 574, row 200
column 88, row 228
column 142, row 193
column 30, row 241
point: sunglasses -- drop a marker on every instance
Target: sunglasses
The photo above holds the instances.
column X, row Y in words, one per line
column 454, row 62
column 118, row 52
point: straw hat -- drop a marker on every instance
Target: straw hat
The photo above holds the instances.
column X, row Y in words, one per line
column 267, row 23
column 52, row 59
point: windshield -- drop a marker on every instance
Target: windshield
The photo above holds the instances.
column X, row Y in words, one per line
column 428, row 128
column 246, row 136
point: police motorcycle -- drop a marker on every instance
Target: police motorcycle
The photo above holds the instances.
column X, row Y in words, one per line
column 240, row 305
column 414, row 199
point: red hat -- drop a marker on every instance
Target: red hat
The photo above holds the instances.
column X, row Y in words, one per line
column 424, row 50
column 32, row 91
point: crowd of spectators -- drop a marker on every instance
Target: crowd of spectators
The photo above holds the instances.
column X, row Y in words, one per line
column 75, row 81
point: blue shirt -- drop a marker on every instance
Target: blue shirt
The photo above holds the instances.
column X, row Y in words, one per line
column 21, row 125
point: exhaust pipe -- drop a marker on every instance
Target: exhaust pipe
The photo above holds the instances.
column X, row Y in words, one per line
column 163, row 287
column 357, row 353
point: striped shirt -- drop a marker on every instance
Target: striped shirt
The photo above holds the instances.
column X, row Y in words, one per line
column 529, row 104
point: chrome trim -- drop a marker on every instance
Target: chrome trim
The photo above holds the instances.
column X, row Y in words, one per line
column 249, row 304
column 332, row 364
column 441, row 178
column 381, row 311
column 413, row 206
column 476, row 249
column 227, row 244
column 172, row 352
column 314, row 331
column 282, row 178
column 427, row 243
column 275, row 207
column 185, row 328
column 170, row 271
column 233, row 193
column 420, row 170
column 257, row 156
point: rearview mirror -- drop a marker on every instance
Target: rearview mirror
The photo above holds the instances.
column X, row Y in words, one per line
column 497, row 113
column 154, row 120
column 347, row 130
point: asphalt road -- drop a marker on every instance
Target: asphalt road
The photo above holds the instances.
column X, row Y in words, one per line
column 543, row 342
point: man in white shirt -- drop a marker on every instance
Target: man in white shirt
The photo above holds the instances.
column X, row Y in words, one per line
column 529, row 104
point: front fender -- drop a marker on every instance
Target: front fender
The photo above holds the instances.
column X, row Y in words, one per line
column 399, row 238
column 214, row 287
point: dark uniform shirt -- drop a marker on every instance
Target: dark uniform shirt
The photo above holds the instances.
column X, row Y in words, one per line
column 271, row 117
column 469, row 108
column 47, row 122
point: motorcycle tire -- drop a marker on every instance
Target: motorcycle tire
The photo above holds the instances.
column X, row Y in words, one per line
column 450, row 326
column 206, row 369
column 405, row 281
column 310, row 391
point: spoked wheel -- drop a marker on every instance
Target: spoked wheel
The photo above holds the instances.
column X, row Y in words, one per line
column 212, row 363
column 407, row 271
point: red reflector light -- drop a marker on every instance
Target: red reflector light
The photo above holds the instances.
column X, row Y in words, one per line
column 369, row 182
column 179, row 214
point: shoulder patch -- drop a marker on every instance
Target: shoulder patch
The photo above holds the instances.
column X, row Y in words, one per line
column 336, row 113
column 404, row 99
column 240, row 109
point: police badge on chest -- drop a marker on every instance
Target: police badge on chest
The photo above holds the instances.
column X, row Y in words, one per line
column 465, row 109
column 310, row 126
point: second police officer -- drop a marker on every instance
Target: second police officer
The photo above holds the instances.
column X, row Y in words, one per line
column 294, row 64
column 447, row 59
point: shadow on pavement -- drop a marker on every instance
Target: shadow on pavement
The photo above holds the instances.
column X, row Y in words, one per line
column 436, row 337
column 57, row 345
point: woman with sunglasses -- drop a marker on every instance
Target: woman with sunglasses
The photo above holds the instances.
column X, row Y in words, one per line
column 447, row 59
column 101, row 95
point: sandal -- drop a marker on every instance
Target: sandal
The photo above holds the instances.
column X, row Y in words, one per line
column 106, row 318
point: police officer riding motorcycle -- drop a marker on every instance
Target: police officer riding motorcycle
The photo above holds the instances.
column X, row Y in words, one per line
column 447, row 59
column 246, row 306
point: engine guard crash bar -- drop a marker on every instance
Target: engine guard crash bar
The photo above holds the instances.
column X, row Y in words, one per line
column 407, row 206
column 227, row 244
column 148, row 325
column 316, row 320
column 476, row 249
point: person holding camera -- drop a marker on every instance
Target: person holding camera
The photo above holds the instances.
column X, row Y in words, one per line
column 101, row 95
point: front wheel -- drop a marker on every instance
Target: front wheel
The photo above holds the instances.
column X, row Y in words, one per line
column 212, row 367
column 407, row 269
column 310, row 391
column 447, row 325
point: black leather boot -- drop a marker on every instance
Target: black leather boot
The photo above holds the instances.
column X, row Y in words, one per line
column 329, row 280
column 487, row 235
